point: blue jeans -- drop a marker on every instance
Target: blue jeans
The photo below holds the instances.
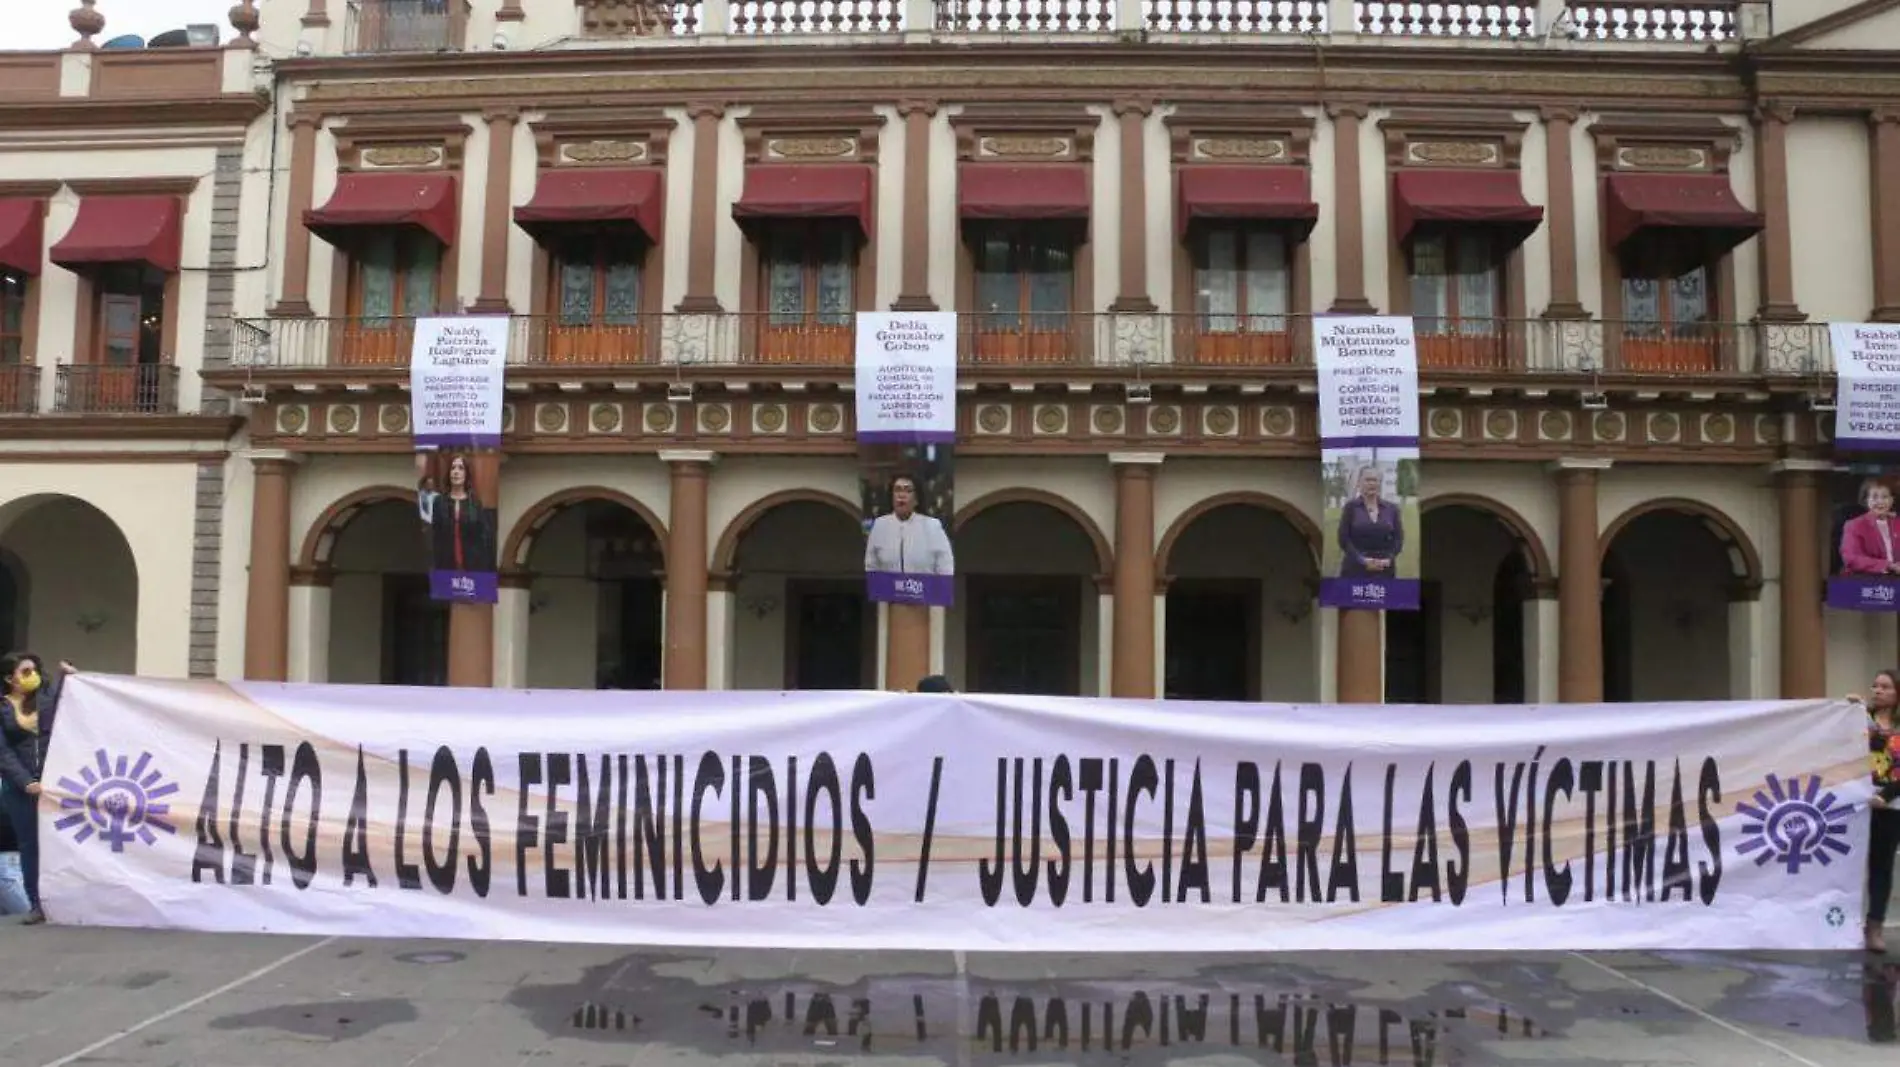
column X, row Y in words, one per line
column 23, row 809
column 13, row 899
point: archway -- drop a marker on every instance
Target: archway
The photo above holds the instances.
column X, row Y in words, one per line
column 1673, row 570
column 1241, row 572
column 383, row 626
column 1470, row 641
column 794, row 563
column 594, row 559
column 69, row 586
column 1028, row 616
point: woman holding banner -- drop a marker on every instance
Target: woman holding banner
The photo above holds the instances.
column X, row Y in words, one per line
column 1883, row 746
column 26, row 728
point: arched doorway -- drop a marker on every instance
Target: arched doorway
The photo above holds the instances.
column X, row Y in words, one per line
column 1028, row 617
column 384, row 628
column 1672, row 572
column 795, row 567
column 1241, row 578
column 1469, row 641
column 69, row 587
column 596, row 599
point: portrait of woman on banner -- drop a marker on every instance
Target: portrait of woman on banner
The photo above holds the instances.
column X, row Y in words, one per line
column 1371, row 529
column 905, row 540
column 461, row 531
column 1870, row 541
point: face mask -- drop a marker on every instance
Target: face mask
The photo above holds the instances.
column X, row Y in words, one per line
column 29, row 681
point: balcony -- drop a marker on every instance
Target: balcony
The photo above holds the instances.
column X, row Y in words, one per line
column 379, row 27
column 97, row 389
column 19, row 389
column 659, row 346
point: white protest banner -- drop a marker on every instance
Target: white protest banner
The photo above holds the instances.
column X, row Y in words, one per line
column 1368, row 442
column 1867, row 384
column 906, row 378
column 455, row 381
column 897, row 821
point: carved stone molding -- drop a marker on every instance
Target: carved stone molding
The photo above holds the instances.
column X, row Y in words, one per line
column 803, row 134
column 1463, row 139
column 375, row 143
column 1219, row 134
column 1029, row 133
column 635, row 137
column 1626, row 142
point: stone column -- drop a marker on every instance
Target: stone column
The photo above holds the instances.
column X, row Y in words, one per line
column 914, row 291
column 267, row 589
column 1803, row 632
column 1134, row 298
column 906, row 645
column 1359, row 657
column 1560, row 215
column 1349, row 228
column 1771, row 190
column 472, row 626
column 1579, row 582
column 684, row 665
column 513, row 610
column 309, row 628
column 702, row 248
column 1132, row 670
column 498, row 199
column 293, row 296
column 1885, row 133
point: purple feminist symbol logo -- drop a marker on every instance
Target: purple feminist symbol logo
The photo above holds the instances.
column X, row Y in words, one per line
column 116, row 801
column 1793, row 825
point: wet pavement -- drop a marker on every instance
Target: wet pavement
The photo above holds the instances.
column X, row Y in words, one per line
column 89, row 996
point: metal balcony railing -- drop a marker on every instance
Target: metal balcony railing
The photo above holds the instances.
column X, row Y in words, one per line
column 19, row 389
column 99, row 389
column 1054, row 340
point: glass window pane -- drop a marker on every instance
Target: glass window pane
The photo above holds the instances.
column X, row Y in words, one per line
column 419, row 280
column 1051, row 284
column 998, row 290
column 1689, row 298
column 1269, row 281
column 623, row 293
column 1478, row 284
column 1218, row 288
column 1642, row 304
column 835, row 278
column 577, row 292
column 376, row 271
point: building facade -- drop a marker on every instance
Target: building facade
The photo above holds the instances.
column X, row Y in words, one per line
column 1621, row 231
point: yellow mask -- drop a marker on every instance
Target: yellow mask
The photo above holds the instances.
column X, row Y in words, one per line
column 29, row 681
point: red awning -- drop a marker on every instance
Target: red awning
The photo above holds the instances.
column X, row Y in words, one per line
column 1695, row 210
column 423, row 202
column 570, row 196
column 22, row 235
column 807, row 191
column 1034, row 191
column 124, row 229
column 1275, row 194
column 1490, row 198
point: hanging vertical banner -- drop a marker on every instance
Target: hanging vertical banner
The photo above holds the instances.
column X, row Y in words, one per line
column 455, row 381
column 906, row 383
column 1368, row 439
column 455, row 389
column 1866, row 556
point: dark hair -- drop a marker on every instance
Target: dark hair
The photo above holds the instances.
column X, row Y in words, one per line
column 934, row 683
column 1891, row 675
column 11, row 663
column 902, row 476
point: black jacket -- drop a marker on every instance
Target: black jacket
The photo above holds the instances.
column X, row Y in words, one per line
column 23, row 754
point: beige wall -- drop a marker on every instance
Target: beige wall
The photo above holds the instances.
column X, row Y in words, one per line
column 1830, row 199
column 107, row 551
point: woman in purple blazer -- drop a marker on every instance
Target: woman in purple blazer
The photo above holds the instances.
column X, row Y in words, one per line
column 1370, row 531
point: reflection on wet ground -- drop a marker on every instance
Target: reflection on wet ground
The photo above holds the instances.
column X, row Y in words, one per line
column 212, row 1001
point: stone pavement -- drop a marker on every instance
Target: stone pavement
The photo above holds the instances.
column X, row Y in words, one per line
column 147, row 999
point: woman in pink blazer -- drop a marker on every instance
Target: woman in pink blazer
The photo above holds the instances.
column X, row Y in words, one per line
column 1870, row 542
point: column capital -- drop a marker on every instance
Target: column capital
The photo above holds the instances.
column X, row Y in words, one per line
column 1554, row 115
column 1136, row 460
column 259, row 456
column 705, row 109
column 1884, row 116
column 688, row 456
column 515, row 578
column 1347, row 109
column 917, row 106
column 1578, row 464
column 1800, row 466
column 1133, row 106
column 503, row 114
column 320, row 576
column 1774, row 111
column 304, row 120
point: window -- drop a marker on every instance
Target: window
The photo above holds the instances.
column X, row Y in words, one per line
column 809, row 277
column 12, row 317
column 1457, row 297
column 131, row 326
column 1242, row 285
column 1024, row 290
column 1667, row 323
column 394, row 278
column 597, row 286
